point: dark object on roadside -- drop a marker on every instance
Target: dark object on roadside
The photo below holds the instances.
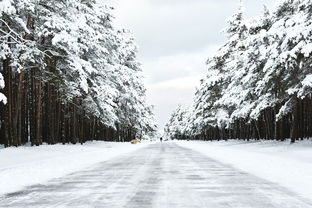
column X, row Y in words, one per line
column 161, row 139
column 135, row 141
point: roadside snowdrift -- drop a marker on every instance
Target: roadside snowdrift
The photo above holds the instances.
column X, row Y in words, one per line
column 279, row 162
column 25, row 166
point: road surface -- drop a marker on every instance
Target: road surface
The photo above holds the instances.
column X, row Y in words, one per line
column 162, row 175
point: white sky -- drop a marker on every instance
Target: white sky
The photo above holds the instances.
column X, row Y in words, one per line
column 175, row 38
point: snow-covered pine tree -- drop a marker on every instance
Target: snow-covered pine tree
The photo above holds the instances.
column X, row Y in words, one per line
column 19, row 55
column 259, row 83
column 176, row 127
column 65, row 67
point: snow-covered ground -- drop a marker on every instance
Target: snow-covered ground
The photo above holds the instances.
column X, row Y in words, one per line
column 279, row 162
column 157, row 176
column 287, row 165
column 25, row 166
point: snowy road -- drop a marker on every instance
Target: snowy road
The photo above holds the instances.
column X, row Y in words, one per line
column 159, row 175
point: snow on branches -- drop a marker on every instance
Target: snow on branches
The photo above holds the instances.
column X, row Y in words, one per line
column 259, row 76
column 71, row 52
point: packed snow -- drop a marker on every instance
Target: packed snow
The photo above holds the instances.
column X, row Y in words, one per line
column 157, row 176
column 26, row 166
column 279, row 162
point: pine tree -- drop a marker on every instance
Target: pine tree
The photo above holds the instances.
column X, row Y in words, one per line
column 69, row 75
column 258, row 84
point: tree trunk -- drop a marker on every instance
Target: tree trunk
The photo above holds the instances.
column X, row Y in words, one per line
column 294, row 129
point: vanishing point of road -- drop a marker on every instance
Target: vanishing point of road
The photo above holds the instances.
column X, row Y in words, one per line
column 162, row 175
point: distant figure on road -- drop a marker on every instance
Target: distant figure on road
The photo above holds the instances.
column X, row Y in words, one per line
column 160, row 139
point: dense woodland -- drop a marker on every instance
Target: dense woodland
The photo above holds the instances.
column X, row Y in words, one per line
column 258, row 84
column 68, row 75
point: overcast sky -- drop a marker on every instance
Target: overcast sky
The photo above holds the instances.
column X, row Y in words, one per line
column 175, row 38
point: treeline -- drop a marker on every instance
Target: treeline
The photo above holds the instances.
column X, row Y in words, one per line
column 259, row 83
column 67, row 75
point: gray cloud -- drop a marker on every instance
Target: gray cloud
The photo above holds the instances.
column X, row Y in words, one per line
column 178, row 28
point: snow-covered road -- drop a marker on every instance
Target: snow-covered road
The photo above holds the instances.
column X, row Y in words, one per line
column 158, row 175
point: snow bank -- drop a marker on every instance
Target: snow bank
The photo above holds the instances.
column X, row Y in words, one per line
column 279, row 162
column 25, row 166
